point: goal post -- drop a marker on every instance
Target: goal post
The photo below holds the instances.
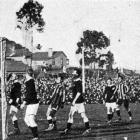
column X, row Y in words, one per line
column 83, row 70
column 3, row 93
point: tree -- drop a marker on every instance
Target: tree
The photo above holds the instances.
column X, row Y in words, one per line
column 30, row 14
column 92, row 41
column 29, row 19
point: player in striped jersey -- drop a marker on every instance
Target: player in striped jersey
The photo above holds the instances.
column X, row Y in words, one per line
column 57, row 101
column 122, row 90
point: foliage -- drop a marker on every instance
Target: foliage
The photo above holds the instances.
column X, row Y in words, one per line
column 30, row 15
column 92, row 41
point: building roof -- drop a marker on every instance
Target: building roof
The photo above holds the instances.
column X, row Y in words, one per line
column 16, row 50
column 21, row 52
column 39, row 56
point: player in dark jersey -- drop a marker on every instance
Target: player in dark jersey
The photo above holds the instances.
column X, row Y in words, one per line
column 15, row 101
column 57, row 101
column 77, row 104
column 122, row 90
column 110, row 98
column 32, row 103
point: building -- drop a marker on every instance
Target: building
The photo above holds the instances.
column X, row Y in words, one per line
column 50, row 59
column 16, row 58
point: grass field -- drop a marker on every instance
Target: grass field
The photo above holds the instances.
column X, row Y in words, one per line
column 97, row 116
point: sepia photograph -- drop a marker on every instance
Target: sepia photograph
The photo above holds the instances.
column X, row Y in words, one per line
column 69, row 69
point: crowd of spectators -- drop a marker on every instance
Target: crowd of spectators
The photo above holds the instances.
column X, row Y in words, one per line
column 46, row 86
column 93, row 89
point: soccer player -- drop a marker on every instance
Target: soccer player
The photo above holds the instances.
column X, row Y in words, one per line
column 32, row 103
column 123, row 98
column 15, row 101
column 110, row 99
column 57, row 101
column 77, row 104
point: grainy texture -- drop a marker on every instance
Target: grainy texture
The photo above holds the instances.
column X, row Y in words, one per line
column 97, row 116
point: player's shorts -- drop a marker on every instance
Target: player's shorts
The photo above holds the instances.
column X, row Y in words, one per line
column 32, row 109
column 13, row 109
column 80, row 108
column 111, row 107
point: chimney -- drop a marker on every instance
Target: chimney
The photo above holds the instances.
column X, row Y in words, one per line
column 50, row 52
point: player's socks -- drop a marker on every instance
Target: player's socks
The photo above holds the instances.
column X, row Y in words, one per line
column 69, row 126
column 87, row 125
column 109, row 117
column 16, row 124
column 16, row 130
column 66, row 131
column 129, row 113
column 34, row 132
column 51, row 125
column 88, row 129
column 112, row 116
column 54, row 122
column 55, row 126
column 118, row 112
column 50, row 121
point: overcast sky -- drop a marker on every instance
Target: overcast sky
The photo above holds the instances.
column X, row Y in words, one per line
column 67, row 19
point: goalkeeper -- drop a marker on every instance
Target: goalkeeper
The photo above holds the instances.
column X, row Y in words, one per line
column 15, row 101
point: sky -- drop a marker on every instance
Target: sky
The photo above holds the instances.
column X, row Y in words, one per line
column 67, row 19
